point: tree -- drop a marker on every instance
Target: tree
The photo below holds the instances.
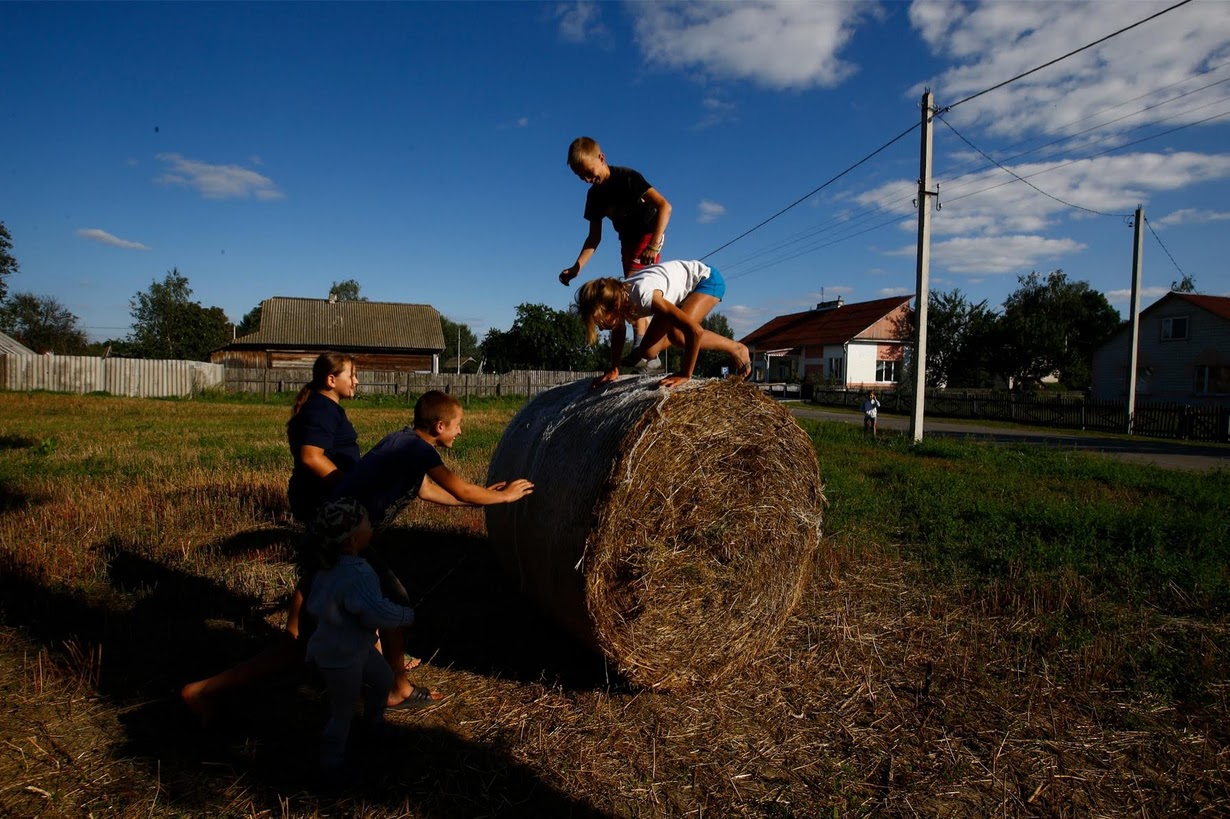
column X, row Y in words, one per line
column 540, row 338
column 166, row 324
column 1052, row 326
column 1187, row 284
column 8, row 262
column 43, row 324
column 959, row 335
column 250, row 323
column 711, row 362
column 346, row 291
column 469, row 341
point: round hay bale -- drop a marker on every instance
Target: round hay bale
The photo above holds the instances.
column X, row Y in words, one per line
column 673, row 531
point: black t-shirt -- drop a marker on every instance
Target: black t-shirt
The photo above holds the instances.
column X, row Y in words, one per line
column 619, row 199
column 320, row 422
column 389, row 476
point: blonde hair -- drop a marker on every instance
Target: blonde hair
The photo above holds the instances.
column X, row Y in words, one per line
column 435, row 407
column 601, row 302
column 582, row 148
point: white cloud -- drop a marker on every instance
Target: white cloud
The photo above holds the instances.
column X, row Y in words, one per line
column 992, row 202
column 717, row 112
column 995, row 41
column 885, row 292
column 1191, row 216
column 1125, row 296
column 710, row 211
column 579, row 21
column 776, row 43
column 217, row 181
column 995, row 254
column 105, row 238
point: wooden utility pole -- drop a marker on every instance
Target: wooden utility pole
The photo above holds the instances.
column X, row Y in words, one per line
column 922, row 284
column 1138, row 247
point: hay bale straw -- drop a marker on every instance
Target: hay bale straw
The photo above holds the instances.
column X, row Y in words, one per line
column 673, row 531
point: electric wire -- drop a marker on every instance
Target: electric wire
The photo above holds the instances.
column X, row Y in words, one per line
column 1149, row 225
column 813, row 192
column 1022, row 179
column 1069, row 54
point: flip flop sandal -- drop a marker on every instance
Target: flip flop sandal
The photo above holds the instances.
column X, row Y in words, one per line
column 420, row 696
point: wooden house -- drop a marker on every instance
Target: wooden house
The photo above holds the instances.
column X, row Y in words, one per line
column 385, row 336
column 1183, row 353
column 849, row 345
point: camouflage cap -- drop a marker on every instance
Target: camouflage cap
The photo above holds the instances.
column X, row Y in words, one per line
column 337, row 520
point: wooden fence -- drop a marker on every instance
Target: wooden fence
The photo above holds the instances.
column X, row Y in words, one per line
column 521, row 382
column 139, row 378
column 1156, row 419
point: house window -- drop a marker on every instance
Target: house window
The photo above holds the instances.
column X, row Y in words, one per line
column 1174, row 329
column 1212, row 380
column 886, row 372
column 834, row 368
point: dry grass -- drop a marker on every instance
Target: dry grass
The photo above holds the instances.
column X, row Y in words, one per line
column 136, row 555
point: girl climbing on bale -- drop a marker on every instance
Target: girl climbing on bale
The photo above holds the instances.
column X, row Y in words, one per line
column 677, row 295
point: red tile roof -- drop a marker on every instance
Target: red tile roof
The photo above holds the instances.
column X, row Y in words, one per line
column 1217, row 305
column 815, row 327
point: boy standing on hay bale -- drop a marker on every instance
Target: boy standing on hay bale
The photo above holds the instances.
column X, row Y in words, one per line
column 345, row 599
column 389, row 477
column 675, row 296
column 637, row 211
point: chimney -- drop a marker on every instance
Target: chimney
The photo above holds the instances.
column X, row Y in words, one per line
column 831, row 305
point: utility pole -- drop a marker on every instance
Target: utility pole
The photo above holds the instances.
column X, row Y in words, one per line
column 458, row 349
column 922, row 283
column 1138, row 247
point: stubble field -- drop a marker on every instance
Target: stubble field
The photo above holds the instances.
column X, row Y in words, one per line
column 988, row 632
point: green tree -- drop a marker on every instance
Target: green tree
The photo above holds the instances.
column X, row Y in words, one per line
column 469, row 341
column 43, row 324
column 541, row 338
column 711, row 362
column 1053, row 325
column 1187, row 284
column 250, row 323
column 959, row 335
column 8, row 262
column 346, row 291
column 167, row 324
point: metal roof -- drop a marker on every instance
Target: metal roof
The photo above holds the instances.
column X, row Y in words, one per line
column 814, row 327
column 12, row 346
column 346, row 324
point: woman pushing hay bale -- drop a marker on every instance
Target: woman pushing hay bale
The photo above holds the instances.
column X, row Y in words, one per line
column 674, row 531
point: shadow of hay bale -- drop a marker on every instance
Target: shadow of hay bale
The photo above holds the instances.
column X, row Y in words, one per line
column 674, row 531
column 468, row 617
column 16, row 442
column 265, row 500
column 12, row 499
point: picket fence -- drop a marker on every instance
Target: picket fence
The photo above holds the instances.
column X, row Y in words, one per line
column 133, row 377
column 271, row 381
column 1155, row 419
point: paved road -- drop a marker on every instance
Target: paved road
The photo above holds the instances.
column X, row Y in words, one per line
column 1159, row 452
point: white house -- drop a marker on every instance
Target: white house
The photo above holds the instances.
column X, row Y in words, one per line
column 858, row 345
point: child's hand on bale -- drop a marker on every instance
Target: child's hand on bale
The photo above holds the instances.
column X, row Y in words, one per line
column 605, row 378
column 674, row 380
column 513, row 490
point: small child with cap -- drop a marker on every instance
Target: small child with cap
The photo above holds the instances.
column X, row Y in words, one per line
column 346, row 601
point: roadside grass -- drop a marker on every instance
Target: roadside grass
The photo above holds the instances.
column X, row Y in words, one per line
column 1007, row 630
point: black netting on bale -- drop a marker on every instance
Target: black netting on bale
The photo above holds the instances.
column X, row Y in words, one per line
column 673, row 531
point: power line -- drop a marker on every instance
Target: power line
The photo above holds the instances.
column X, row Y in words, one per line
column 1069, row 54
column 1094, row 156
column 807, row 196
column 1022, row 179
column 1159, row 241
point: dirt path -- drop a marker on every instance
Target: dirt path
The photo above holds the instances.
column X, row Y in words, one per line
column 1163, row 453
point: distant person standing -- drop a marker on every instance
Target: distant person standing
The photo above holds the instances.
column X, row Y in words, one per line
column 871, row 409
column 639, row 214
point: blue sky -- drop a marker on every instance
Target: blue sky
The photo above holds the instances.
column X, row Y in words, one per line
column 269, row 150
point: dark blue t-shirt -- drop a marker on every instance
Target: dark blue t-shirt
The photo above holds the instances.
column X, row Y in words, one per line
column 389, row 476
column 320, row 422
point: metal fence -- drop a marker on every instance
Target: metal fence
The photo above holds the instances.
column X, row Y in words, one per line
column 139, row 378
column 1157, row 419
column 521, row 382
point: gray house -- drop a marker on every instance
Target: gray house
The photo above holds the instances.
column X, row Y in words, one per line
column 1183, row 353
column 386, row 336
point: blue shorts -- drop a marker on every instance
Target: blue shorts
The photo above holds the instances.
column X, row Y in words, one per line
column 714, row 285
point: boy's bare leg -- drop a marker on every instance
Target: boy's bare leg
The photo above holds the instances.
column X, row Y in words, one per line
column 393, row 642
column 200, row 696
